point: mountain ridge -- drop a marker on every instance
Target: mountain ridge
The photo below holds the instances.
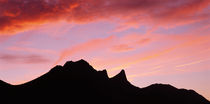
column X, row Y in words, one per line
column 82, row 83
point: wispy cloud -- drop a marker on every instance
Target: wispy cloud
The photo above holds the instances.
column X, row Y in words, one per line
column 190, row 63
column 131, row 42
column 140, row 58
column 90, row 45
column 26, row 59
column 122, row 48
column 31, row 50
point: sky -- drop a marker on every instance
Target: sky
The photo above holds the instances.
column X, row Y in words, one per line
column 154, row 41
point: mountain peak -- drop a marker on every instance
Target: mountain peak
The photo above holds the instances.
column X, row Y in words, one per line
column 79, row 66
column 120, row 76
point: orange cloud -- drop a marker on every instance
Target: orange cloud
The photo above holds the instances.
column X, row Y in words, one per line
column 20, row 15
column 90, row 45
column 139, row 58
column 131, row 42
column 188, row 64
column 121, row 48
column 154, row 72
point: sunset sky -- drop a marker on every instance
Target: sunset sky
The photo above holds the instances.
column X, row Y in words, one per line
column 155, row 41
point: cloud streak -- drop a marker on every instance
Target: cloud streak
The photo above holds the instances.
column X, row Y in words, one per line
column 188, row 64
column 20, row 15
column 26, row 59
column 32, row 50
column 90, row 45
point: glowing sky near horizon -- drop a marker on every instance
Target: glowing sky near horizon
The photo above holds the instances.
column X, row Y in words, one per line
column 155, row 41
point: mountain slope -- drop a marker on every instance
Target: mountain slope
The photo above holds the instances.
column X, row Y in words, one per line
column 78, row 82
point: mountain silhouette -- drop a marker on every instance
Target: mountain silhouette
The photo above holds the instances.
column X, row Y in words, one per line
column 78, row 82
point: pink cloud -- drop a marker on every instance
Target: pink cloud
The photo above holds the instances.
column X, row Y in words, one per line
column 90, row 45
column 31, row 50
column 26, row 59
column 122, row 48
column 131, row 42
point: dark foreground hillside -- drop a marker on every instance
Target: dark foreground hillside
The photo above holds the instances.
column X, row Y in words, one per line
column 78, row 82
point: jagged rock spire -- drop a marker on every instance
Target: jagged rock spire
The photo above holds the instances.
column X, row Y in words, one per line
column 120, row 76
